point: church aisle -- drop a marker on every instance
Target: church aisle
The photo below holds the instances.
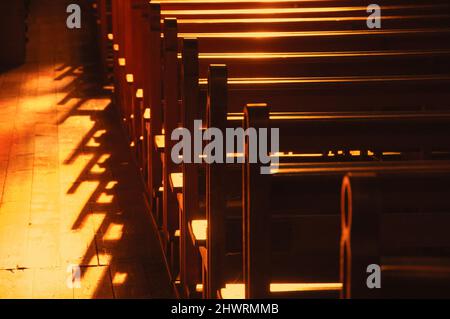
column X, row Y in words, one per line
column 70, row 195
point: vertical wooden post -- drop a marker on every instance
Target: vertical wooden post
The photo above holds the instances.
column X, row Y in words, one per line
column 171, row 119
column 116, row 27
column 145, row 34
column 140, row 128
column 216, row 188
column 360, row 236
column 256, row 213
column 122, row 61
column 130, row 107
column 138, row 56
column 103, row 35
column 189, row 112
column 153, row 162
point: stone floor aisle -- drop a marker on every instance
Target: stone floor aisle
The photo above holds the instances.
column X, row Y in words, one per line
column 69, row 194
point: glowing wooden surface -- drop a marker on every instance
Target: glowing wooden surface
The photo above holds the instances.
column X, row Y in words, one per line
column 337, row 79
column 176, row 181
column 237, row 291
column 147, row 114
column 277, row 11
column 359, row 167
column 130, row 78
column 159, row 142
column 224, row 1
column 307, row 55
column 336, row 116
column 199, row 229
column 300, row 34
column 180, row 201
column 297, row 20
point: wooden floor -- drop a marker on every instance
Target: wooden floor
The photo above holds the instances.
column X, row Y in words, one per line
column 69, row 192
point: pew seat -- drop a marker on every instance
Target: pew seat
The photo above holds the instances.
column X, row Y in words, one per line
column 198, row 231
column 176, row 181
column 237, row 290
column 159, row 142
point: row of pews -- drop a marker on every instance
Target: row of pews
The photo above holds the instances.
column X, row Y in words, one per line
column 13, row 30
column 363, row 117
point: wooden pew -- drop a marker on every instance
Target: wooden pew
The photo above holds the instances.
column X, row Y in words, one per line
column 126, row 62
column 343, row 134
column 305, row 176
column 259, row 230
column 156, row 110
column 246, row 26
column 250, row 63
column 252, row 23
column 258, row 4
column 137, row 103
column 308, row 24
column 119, row 58
column 328, row 87
column 105, row 36
column 375, row 105
column 269, row 9
column 297, row 66
column 258, row 203
column 397, row 221
column 134, row 89
column 431, row 37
